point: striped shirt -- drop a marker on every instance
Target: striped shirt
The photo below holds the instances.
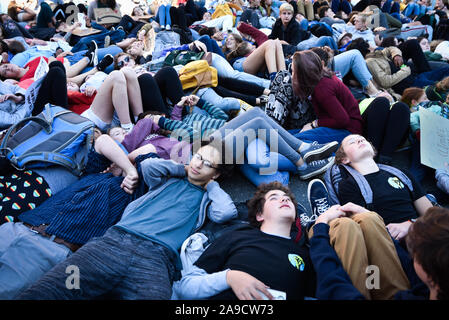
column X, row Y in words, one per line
column 194, row 125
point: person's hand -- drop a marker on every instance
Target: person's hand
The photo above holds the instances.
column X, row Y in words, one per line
column 5, row 57
column 65, row 53
column 398, row 61
column 218, row 36
column 379, row 29
column 130, row 181
column 12, row 97
column 155, row 118
column 399, row 230
column 385, row 94
column 11, row 81
column 330, row 214
column 352, row 208
column 90, row 91
column 192, row 100
column 184, row 100
column 306, row 127
column 245, row 286
column 141, row 35
column 114, row 169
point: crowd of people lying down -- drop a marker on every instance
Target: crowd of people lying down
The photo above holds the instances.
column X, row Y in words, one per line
column 181, row 94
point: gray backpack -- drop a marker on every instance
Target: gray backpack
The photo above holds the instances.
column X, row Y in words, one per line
column 335, row 174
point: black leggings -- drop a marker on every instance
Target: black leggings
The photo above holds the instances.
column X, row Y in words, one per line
column 239, row 89
column 155, row 90
column 412, row 50
column 386, row 128
column 53, row 88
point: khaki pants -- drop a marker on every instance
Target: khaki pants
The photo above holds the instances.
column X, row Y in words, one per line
column 306, row 9
column 362, row 241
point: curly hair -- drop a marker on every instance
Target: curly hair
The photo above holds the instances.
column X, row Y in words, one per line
column 257, row 202
column 428, row 243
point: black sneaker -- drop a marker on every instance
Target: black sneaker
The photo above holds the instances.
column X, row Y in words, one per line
column 92, row 54
column 315, row 168
column 318, row 151
column 318, row 199
column 105, row 62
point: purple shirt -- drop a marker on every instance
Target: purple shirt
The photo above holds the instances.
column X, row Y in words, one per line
column 147, row 132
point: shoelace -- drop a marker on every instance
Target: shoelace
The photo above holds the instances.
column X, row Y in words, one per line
column 317, row 163
column 321, row 205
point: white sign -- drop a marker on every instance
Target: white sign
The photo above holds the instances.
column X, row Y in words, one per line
column 434, row 139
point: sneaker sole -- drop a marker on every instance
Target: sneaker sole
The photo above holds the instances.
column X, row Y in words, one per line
column 322, row 153
column 315, row 173
column 309, row 187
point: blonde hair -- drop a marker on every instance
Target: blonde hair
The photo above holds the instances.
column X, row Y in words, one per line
column 286, row 7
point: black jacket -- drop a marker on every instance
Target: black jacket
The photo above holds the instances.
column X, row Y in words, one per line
column 293, row 34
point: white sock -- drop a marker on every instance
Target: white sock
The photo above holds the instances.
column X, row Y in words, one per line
column 304, row 146
column 127, row 126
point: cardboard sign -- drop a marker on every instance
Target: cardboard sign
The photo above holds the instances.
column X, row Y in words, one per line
column 434, row 139
column 106, row 16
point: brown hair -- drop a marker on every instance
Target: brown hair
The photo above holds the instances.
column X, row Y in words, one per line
column 257, row 202
column 410, row 94
column 322, row 11
column 117, row 56
column 443, row 85
column 340, row 154
column 434, row 44
column 241, row 51
column 428, row 243
column 308, row 72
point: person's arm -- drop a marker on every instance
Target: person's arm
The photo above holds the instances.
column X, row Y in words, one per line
column 442, row 177
column 198, row 284
column 258, row 36
column 155, row 171
column 421, row 205
column 24, row 31
column 384, row 79
column 222, row 207
column 140, row 131
column 179, row 128
column 325, row 97
column 106, row 146
column 212, row 110
column 333, row 283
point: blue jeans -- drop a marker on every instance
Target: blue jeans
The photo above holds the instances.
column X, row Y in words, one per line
column 321, row 135
column 83, row 43
column 338, row 5
column 225, row 70
column 238, row 134
column 211, row 45
column 430, row 77
column 119, row 264
column 412, row 9
column 353, row 60
column 260, row 157
column 226, row 104
column 314, row 41
column 24, row 258
column 101, row 53
column 163, row 15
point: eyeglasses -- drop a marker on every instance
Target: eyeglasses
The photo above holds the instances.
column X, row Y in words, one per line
column 122, row 63
column 207, row 163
